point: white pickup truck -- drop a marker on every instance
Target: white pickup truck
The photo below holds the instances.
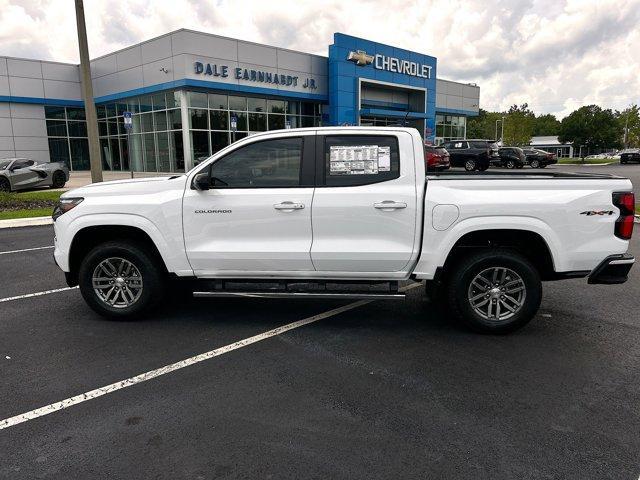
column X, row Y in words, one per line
column 343, row 212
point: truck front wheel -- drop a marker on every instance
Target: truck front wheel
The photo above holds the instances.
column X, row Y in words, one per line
column 120, row 279
column 494, row 291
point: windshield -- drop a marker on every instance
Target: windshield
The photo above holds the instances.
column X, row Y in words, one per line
column 4, row 164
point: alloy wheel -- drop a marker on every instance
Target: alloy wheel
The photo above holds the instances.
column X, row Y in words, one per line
column 117, row 282
column 497, row 293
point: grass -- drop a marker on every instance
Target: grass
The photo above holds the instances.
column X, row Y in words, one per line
column 35, row 212
column 586, row 161
column 27, row 204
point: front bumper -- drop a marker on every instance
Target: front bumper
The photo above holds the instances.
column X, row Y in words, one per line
column 612, row 270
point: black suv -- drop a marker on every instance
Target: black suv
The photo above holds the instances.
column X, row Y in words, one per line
column 471, row 154
column 511, row 157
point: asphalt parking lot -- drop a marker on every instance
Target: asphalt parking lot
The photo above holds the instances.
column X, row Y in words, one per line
column 382, row 390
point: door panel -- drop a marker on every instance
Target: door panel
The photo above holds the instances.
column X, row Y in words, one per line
column 367, row 227
column 256, row 217
column 242, row 230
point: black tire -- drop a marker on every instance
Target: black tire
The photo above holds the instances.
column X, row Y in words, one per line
column 58, row 179
column 510, row 164
column 544, row 165
column 151, row 272
column 459, row 290
column 5, row 186
column 534, row 164
column 470, row 165
column 623, row 162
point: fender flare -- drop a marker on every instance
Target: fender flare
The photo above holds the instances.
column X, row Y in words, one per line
column 169, row 256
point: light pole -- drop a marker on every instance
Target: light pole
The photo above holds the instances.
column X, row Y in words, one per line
column 87, row 96
column 501, row 120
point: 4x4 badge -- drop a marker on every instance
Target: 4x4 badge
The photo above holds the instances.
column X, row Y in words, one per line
column 590, row 213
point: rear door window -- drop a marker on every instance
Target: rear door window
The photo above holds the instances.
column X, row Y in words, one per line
column 351, row 160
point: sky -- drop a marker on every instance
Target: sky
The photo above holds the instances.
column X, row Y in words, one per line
column 555, row 55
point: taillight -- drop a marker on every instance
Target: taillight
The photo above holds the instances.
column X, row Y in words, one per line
column 626, row 202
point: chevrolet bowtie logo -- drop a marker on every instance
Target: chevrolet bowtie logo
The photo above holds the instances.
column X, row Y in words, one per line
column 360, row 58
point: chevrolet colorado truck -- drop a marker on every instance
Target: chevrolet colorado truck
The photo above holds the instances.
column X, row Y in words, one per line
column 343, row 212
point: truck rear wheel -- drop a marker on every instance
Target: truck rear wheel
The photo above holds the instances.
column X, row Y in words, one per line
column 119, row 279
column 494, row 291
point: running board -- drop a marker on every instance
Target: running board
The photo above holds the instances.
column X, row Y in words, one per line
column 335, row 295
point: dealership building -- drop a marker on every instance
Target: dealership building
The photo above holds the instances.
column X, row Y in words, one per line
column 193, row 93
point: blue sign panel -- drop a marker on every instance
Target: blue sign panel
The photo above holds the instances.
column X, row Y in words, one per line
column 352, row 60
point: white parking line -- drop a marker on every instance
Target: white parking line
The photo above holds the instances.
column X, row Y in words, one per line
column 36, row 294
column 26, row 250
column 143, row 377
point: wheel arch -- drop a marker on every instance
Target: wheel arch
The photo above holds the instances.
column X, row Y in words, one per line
column 88, row 237
column 528, row 243
column 4, row 177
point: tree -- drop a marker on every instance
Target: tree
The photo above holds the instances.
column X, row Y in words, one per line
column 484, row 125
column 592, row 128
column 546, row 125
column 518, row 125
column 629, row 120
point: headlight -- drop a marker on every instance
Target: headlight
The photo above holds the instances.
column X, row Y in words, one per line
column 64, row 205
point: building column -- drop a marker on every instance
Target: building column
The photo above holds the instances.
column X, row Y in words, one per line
column 186, row 137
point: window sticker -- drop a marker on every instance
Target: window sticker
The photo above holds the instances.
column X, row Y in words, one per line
column 359, row 160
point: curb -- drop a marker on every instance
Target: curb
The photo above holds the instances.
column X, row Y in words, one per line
column 25, row 222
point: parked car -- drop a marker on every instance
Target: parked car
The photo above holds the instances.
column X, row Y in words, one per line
column 22, row 173
column 471, row 154
column 630, row 155
column 511, row 157
column 539, row 158
column 257, row 220
column 437, row 158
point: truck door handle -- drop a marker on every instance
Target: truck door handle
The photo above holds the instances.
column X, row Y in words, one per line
column 389, row 205
column 289, row 206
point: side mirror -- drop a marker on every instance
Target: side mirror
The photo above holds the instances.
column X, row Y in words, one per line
column 202, row 181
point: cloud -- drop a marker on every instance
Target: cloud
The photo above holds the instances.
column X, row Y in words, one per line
column 553, row 54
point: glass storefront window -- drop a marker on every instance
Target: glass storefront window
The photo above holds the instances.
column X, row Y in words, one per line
column 219, row 119
column 155, row 142
column 307, row 108
column 219, row 140
column 200, row 146
column 160, row 119
column 241, row 120
column 164, row 157
column 59, row 150
column 146, row 122
column 75, row 113
column 173, row 99
column 276, row 106
column 149, row 152
column 450, row 127
column 77, row 129
column 257, row 122
column 56, row 128
column 145, row 103
column 175, row 119
column 159, row 102
column 276, row 122
column 198, row 118
column 218, row 101
column 237, row 103
column 79, row 148
column 198, row 99
column 257, row 104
